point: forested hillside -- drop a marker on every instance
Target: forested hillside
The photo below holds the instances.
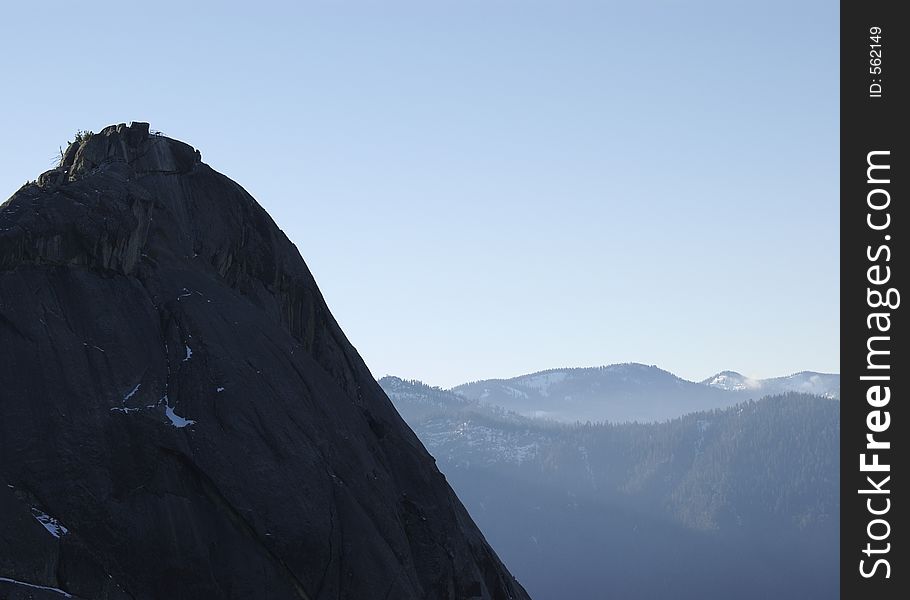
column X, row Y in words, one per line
column 739, row 502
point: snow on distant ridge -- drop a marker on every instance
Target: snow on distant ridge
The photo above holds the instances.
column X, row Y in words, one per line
column 820, row 384
column 632, row 391
column 731, row 380
column 807, row 382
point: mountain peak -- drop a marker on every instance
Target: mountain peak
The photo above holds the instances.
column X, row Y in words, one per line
column 731, row 374
column 132, row 144
column 731, row 380
column 126, row 198
column 167, row 357
column 808, row 382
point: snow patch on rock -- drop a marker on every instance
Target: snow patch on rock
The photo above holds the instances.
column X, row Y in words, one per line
column 53, row 526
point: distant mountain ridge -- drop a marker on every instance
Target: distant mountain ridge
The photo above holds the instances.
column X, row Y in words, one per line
column 826, row 385
column 739, row 502
column 632, row 392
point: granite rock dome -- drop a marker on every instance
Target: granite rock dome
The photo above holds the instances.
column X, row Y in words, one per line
column 181, row 416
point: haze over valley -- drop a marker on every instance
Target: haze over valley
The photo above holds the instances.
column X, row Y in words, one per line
column 727, row 488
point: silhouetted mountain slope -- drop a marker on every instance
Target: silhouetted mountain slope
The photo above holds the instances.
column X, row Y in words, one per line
column 632, row 392
column 182, row 417
column 741, row 502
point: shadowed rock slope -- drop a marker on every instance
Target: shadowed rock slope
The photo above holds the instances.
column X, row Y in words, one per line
column 182, row 417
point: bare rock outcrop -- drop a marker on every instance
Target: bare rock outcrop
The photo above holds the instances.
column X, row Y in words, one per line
column 180, row 415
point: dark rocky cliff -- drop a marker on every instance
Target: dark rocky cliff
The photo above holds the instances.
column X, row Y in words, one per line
column 182, row 417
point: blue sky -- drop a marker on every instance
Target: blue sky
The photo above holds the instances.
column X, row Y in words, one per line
column 484, row 189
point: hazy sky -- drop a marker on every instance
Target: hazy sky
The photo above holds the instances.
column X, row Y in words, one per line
column 489, row 188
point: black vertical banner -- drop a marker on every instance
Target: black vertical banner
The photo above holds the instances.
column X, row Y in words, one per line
column 875, row 380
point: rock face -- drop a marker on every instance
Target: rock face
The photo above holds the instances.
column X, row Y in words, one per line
column 182, row 417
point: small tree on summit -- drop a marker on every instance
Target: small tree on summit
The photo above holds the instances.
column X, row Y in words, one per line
column 82, row 136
